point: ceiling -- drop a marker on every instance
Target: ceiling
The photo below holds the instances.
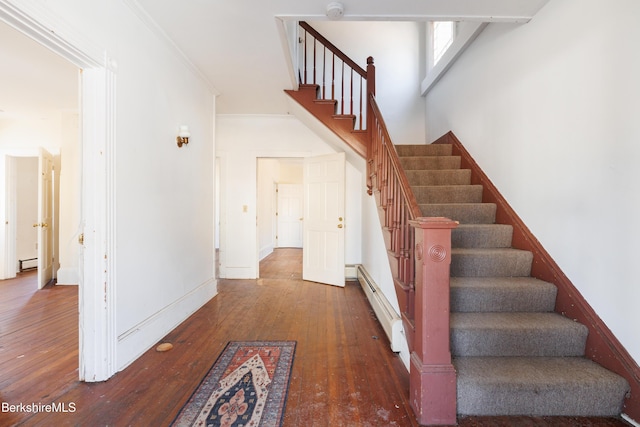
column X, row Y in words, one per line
column 234, row 43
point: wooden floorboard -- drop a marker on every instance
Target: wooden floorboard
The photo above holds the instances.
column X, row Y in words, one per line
column 344, row 373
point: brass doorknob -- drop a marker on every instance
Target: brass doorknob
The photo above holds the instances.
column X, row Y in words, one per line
column 339, row 225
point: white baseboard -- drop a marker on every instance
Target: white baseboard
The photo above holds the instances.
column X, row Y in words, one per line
column 266, row 251
column 140, row 338
column 67, row 276
column 387, row 316
column 351, row 272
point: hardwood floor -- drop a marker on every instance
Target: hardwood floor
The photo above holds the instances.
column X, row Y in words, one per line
column 344, row 373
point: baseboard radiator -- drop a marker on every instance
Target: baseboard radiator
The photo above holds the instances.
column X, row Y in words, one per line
column 386, row 314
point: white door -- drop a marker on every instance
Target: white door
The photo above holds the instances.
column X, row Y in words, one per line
column 323, row 252
column 45, row 218
column 290, row 214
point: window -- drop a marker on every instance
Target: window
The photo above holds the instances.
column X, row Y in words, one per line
column 443, row 34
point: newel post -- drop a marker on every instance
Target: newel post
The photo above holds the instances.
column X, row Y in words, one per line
column 371, row 90
column 432, row 375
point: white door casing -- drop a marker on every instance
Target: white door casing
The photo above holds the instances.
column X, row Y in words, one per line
column 290, row 213
column 324, row 221
column 98, row 339
column 45, row 217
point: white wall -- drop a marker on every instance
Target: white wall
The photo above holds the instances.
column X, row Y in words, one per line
column 26, row 133
column 70, row 187
column 268, row 176
column 240, row 141
column 550, row 111
column 164, row 266
column 399, row 56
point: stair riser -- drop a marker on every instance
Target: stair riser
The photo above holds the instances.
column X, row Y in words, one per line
column 537, row 386
column 465, row 213
column 510, row 343
column 483, row 298
column 439, row 177
column 482, row 236
column 514, row 264
column 424, row 150
column 430, row 163
column 448, row 194
column 537, row 401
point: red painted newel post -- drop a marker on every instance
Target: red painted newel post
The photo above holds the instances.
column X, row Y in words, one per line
column 432, row 375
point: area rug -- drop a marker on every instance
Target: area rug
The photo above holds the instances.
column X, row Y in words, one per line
column 247, row 386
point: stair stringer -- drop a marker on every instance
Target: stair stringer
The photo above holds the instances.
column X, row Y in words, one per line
column 602, row 346
column 324, row 111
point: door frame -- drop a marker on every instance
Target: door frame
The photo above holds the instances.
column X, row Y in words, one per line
column 97, row 332
column 45, row 220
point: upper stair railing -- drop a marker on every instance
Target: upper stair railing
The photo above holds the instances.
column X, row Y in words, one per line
column 419, row 248
column 337, row 75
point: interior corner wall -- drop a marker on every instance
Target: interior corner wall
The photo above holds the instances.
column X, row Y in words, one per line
column 549, row 111
column 400, row 59
column 241, row 140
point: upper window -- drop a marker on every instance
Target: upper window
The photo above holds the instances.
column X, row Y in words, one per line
column 443, row 34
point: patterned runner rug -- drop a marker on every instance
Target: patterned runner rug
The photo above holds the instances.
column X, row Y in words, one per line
column 246, row 386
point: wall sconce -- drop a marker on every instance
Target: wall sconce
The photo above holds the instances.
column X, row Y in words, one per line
column 183, row 135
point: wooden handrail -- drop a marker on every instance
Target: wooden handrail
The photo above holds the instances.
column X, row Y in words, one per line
column 398, row 170
column 316, row 35
column 318, row 67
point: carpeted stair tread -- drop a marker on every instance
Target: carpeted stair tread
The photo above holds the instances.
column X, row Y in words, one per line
column 430, row 162
column 448, row 193
column 516, row 334
column 495, row 262
column 424, row 150
column 464, row 213
column 439, row 177
column 537, row 386
column 482, row 236
column 495, row 294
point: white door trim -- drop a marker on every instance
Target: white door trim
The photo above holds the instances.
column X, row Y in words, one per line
column 96, row 291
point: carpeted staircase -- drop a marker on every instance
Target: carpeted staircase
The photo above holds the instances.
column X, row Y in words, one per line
column 512, row 353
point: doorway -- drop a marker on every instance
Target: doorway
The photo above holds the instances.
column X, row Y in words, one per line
column 279, row 215
column 301, row 204
column 97, row 114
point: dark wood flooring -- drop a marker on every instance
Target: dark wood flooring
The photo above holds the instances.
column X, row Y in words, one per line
column 344, row 373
